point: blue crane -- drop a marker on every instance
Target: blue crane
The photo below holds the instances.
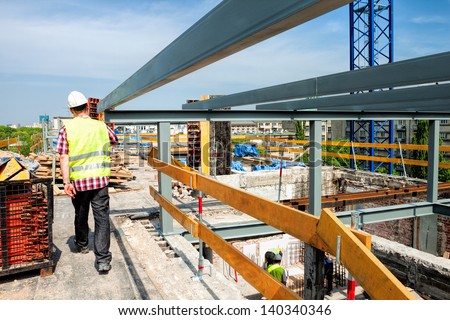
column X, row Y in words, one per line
column 371, row 44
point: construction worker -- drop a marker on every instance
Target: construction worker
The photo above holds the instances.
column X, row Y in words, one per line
column 328, row 266
column 273, row 264
column 84, row 148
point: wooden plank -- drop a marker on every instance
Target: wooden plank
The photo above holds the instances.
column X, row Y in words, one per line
column 6, row 142
column 252, row 273
column 205, row 144
column 186, row 177
column 190, row 224
column 362, row 264
column 297, row 223
column 422, row 163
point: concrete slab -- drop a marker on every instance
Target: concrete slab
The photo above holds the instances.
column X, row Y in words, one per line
column 141, row 268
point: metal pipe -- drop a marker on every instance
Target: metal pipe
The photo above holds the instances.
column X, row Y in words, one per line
column 401, row 156
column 200, row 241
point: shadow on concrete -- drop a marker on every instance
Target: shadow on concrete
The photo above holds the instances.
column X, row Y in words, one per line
column 143, row 294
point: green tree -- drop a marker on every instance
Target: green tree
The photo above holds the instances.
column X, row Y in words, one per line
column 300, row 130
column 337, row 161
column 421, row 138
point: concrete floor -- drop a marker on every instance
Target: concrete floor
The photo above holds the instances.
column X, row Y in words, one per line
column 141, row 269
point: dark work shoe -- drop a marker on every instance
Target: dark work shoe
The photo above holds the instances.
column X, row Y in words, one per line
column 83, row 250
column 104, row 267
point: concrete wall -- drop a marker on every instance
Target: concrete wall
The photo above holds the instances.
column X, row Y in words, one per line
column 294, row 183
column 367, row 180
column 423, row 272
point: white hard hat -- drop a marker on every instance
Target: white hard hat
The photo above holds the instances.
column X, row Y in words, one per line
column 76, row 99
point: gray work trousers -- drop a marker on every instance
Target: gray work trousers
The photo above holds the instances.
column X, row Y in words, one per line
column 98, row 199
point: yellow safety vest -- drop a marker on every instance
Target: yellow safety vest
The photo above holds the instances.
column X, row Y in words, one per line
column 89, row 148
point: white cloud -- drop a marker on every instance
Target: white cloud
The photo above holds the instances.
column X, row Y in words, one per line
column 65, row 43
column 430, row 19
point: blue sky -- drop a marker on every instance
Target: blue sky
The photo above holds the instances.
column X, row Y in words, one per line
column 51, row 47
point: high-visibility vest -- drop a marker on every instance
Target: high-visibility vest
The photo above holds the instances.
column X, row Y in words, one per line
column 89, row 148
column 272, row 268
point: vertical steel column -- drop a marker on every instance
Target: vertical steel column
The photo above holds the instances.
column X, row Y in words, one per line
column 433, row 161
column 371, row 140
column 165, row 182
column 314, row 258
column 138, row 142
column 315, row 167
column 427, row 226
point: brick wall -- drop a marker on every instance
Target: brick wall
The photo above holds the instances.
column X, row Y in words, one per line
column 400, row 231
column 443, row 235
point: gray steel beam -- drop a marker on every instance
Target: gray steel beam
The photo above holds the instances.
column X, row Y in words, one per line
column 132, row 117
column 315, row 168
column 165, row 181
column 441, row 209
column 429, row 69
column 233, row 231
column 390, row 213
column 412, row 99
column 231, row 26
column 433, row 161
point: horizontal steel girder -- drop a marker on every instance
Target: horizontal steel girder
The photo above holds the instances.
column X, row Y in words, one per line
column 424, row 70
column 231, row 26
column 136, row 117
column 233, row 231
column 411, row 99
column 389, row 213
column 441, row 209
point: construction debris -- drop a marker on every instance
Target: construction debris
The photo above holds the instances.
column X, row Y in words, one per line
column 119, row 173
column 181, row 191
column 15, row 167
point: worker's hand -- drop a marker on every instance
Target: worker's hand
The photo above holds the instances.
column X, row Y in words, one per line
column 69, row 189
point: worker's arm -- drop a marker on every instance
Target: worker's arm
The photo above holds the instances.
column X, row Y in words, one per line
column 69, row 189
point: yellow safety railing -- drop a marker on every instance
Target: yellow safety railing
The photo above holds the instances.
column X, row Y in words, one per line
column 8, row 142
column 319, row 232
column 37, row 143
column 293, row 146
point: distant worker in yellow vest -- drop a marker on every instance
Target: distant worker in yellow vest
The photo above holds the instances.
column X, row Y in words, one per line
column 84, row 148
column 273, row 264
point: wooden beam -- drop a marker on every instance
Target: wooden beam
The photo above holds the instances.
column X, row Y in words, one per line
column 262, row 281
column 205, row 144
column 362, row 264
column 6, row 142
column 184, row 176
column 297, row 223
column 252, row 273
column 422, row 163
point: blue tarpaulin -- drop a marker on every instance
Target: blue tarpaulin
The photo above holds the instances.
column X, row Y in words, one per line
column 245, row 150
column 276, row 163
column 237, row 165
